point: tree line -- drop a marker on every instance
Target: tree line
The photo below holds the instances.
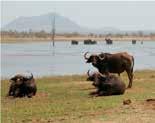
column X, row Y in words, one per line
column 44, row 34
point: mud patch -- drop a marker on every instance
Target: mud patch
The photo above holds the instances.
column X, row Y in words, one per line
column 150, row 103
column 152, row 76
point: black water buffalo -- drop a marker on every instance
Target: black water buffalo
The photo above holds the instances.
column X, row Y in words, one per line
column 108, row 41
column 89, row 41
column 113, row 63
column 74, row 42
column 133, row 41
column 106, row 85
column 22, row 86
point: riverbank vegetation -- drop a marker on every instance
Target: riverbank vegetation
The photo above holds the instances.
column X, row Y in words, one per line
column 66, row 99
column 14, row 36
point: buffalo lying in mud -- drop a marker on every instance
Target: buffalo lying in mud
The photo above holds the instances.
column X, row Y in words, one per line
column 22, row 86
column 113, row 63
column 106, row 85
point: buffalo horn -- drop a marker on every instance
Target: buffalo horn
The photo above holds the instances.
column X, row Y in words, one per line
column 88, row 73
column 31, row 77
column 101, row 58
column 85, row 56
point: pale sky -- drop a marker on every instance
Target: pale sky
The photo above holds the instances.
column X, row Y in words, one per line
column 122, row 15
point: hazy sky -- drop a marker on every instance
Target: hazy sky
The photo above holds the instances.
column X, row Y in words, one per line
column 122, row 15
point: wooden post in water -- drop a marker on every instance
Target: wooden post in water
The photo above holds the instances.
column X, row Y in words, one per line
column 53, row 31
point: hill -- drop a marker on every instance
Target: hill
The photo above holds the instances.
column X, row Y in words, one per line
column 43, row 22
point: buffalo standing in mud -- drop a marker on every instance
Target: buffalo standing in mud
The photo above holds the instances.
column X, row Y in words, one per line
column 106, row 85
column 113, row 63
column 22, row 86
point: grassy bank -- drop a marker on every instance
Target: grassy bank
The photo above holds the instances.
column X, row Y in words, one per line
column 78, row 38
column 66, row 99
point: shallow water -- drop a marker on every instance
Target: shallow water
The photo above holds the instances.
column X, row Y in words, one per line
column 44, row 60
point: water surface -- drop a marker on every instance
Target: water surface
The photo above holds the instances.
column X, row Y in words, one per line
column 65, row 59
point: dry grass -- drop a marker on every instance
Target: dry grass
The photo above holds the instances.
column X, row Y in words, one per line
column 66, row 99
column 5, row 39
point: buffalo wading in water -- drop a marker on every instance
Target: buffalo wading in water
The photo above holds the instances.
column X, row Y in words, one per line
column 108, row 41
column 74, row 42
column 106, row 85
column 133, row 41
column 89, row 41
column 22, row 86
column 113, row 63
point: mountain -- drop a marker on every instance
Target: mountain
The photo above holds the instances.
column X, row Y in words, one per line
column 62, row 25
column 44, row 22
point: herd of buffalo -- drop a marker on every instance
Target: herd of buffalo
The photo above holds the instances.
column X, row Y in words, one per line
column 90, row 42
column 105, row 82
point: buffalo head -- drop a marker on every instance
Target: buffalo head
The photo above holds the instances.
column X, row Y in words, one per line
column 94, row 59
column 19, row 79
column 96, row 77
column 90, row 77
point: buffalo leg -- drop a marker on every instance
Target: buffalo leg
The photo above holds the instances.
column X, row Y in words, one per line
column 130, row 76
column 17, row 93
column 104, row 93
column 93, row 93
column 30, row 95
column 10, row 93
column 12, row 90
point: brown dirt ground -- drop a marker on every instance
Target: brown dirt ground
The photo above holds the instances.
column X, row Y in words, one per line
column 136, row 112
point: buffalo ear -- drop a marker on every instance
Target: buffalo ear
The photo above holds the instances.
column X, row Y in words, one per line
column 13, row 79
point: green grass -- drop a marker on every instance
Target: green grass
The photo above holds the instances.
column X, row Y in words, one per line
column 66, row 99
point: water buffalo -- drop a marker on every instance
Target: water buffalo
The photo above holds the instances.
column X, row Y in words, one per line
column 133, row 41
column 22, row 86
column 106, row 85
column 108, row 41
column 89, row 41
column 113, row 63
column 74, row 42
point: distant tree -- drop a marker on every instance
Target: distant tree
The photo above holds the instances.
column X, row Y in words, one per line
column 100, row 35
column 91, row 34
column 126, row 34
column 140, row 33
column 109, row 34
column 75, row 34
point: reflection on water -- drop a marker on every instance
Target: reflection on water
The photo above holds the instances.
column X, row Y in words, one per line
column 43, row 60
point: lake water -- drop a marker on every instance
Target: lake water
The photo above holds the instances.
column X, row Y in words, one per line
column 66, row 59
